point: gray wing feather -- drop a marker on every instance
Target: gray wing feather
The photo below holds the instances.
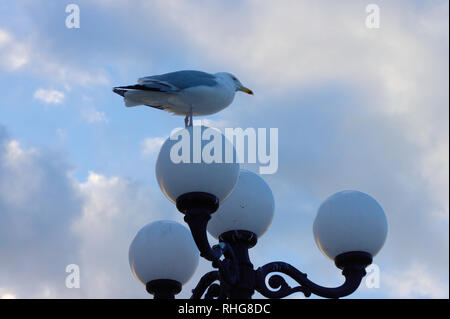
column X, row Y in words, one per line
column 150, row 86
column 180, row 80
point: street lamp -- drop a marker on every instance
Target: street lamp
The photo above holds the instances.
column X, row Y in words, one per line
column 236, row 207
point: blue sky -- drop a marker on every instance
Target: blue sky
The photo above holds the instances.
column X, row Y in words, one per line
column 356, row 108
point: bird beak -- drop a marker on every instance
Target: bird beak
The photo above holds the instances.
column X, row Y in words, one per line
column 245, row 90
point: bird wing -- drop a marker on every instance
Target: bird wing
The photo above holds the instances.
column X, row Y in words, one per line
column 181, row 80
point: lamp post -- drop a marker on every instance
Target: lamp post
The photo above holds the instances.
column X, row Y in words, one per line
column 236, row 207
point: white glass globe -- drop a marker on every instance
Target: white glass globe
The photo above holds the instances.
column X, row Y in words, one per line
column 250, row 207
column 189, row 163
column 163, row 250
column 350, row 221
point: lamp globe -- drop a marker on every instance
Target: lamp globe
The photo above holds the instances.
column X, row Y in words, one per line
column 250, row 207
column 197, row 159
column 350, row 221
column 163, row 250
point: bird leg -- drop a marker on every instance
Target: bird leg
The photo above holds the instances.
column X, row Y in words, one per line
column 191, row 122
column 188, row 119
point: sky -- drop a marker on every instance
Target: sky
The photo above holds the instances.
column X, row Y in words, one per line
column 356, row 108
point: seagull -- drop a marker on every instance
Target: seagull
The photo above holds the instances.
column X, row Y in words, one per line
column 190, row 93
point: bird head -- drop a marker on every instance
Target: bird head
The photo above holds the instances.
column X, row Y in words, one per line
column 235, row 81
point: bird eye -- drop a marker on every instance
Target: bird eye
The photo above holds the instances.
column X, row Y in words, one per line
column 234, row 79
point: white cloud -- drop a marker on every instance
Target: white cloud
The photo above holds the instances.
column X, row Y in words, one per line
column 38, row 202
column 114, row 210
column 4, row 37
column 68, row 75
column 435, row 171
column 49, row 96
column 50, row 220
column 13, row 54
column 292, row 49
column 151, row 145
column 93, row 116
column 416, row 281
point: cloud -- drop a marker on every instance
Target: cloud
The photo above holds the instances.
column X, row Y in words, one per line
column 114, row 209
column 151, row 145
column 70, row 76
column 93, row 116
column 38, row 202
column 50, row 220
column 416, row 281
column 28, row 53
column 49, row 96
column 13, row 54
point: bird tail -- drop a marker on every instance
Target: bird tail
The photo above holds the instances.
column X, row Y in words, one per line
column 128, row 102
column 119, row 91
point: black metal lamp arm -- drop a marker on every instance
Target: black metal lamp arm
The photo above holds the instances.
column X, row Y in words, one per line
column 353, row 265
column 205, row 283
